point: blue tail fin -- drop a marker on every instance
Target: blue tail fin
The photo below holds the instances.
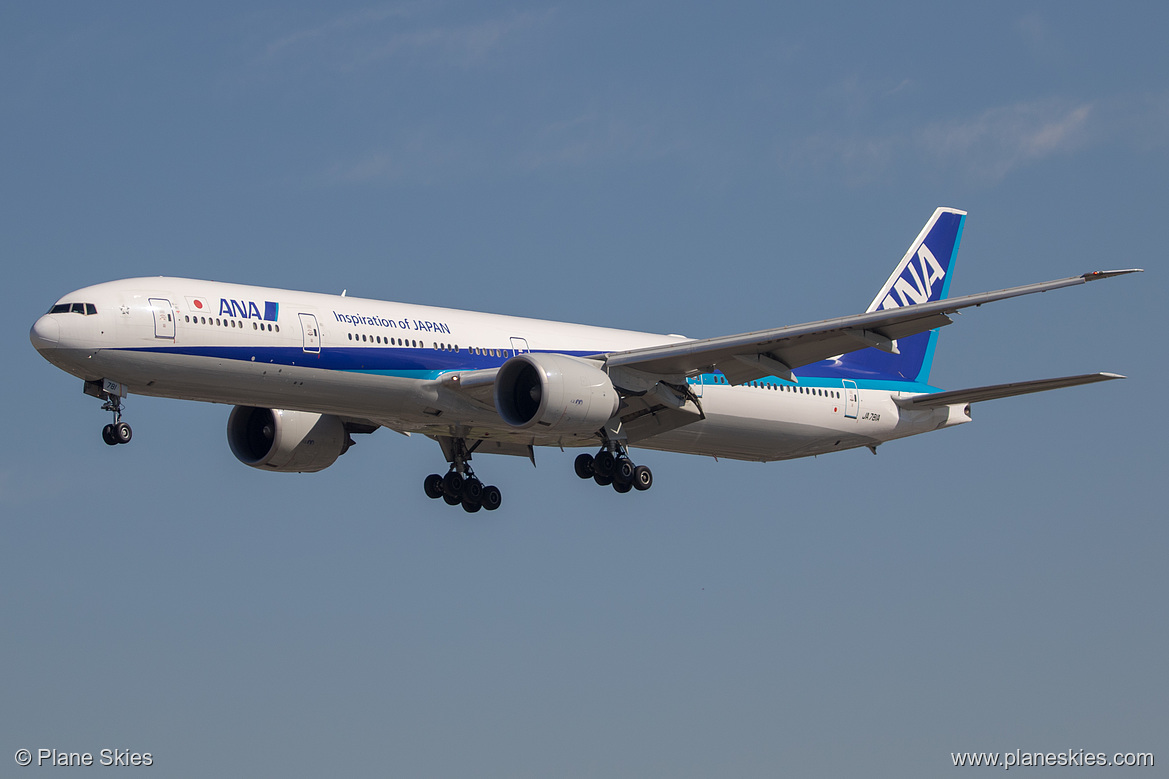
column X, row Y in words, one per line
column 922, row 275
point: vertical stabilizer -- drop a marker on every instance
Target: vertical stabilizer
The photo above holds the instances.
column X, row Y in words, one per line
column 922, row 275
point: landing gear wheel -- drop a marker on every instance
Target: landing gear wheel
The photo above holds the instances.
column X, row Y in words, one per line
column 603, row 464
column 623, row 473
column 643, row 478
column 451, row 500
column 472, row 491
column 584, row 466
column 122, row 433
column 452, row 484
column 433, row 486
column 622, row 486
column 107, row 435
column 604, row 481
column 470, row 507
column 492, row 498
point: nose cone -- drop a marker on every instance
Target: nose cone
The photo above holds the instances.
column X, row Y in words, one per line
column 45, row 333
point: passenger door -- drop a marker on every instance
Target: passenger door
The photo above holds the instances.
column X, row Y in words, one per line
column 164, row 318
column 852, row 399
column 312, row 336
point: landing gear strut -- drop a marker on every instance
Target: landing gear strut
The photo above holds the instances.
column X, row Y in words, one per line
column 612, row 466
column 118, row 432
column 460, row 486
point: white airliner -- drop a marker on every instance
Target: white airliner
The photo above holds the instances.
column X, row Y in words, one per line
column 305, row 371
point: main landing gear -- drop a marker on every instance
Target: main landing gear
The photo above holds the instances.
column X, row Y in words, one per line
column 460, row 486
column 463, row 489
column 614, row 468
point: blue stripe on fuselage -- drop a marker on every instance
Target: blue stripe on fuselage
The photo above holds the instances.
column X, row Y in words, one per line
column 385, row 360
column 429, row 364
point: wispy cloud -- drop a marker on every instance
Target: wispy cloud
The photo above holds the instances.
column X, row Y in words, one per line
column 987, row 146
column 999, row 140
column 433, row 156
column 591, row 138
column 334, row 27
column 364, row 37
column 418, row 160
column 375, row 166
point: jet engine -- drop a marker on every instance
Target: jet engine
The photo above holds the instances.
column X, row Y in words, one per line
column 273, row 439
column 555, row 392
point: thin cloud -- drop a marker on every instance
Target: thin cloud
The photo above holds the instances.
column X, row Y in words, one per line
column 987, row 146
column 377, row 166
column 1002, row 139
column 590, row 138
column 365, row 37
column 333, row 27
column 429, row 156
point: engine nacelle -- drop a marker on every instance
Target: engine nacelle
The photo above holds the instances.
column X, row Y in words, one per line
column 555, row 392
column 287, row 441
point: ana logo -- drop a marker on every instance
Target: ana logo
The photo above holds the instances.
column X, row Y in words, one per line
column 247, row 309
column 916, row 282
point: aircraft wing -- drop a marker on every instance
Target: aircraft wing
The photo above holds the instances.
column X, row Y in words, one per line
column 975, row 394
column 778, row 351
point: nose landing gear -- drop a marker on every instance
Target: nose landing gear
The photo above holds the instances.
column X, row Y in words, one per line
column 117, row 432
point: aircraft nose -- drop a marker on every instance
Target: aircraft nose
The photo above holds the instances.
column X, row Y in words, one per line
column 45, row 333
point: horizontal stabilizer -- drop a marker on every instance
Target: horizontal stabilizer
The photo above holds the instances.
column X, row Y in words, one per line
column 975, row 394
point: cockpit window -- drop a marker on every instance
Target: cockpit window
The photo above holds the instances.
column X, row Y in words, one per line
column 87, row 309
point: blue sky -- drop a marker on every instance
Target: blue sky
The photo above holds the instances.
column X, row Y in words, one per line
column 703, row 169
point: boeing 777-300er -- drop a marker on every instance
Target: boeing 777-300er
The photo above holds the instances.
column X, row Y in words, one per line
column 305, row 371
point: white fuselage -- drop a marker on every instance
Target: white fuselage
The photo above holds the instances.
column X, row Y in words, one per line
column 380, row 361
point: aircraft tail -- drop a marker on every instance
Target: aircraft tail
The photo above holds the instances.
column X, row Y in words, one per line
column 922, row 275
